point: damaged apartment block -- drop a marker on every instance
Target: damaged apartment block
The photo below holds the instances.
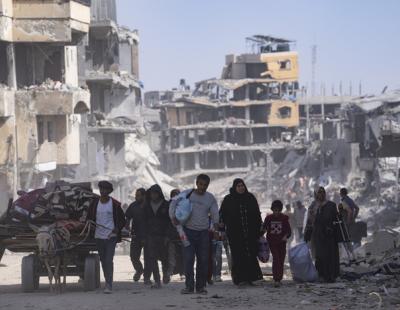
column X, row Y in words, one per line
column 109, row 66
column 40, row 99
column 69, row 93
column 231, row 124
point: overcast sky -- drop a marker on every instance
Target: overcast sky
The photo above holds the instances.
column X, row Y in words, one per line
column 357, row 40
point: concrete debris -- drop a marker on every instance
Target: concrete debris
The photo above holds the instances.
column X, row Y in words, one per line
column 145, row 165
column 119, row 78
column 49, row 84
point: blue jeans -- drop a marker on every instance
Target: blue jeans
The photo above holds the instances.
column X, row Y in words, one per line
column 106, row 249
column 198, row 248
column 217, row 257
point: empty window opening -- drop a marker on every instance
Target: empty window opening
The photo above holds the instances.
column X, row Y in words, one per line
column 46, row 130
column 285, row 112
column 285, row 65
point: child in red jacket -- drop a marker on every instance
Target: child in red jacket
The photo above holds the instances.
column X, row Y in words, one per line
column 278, row 231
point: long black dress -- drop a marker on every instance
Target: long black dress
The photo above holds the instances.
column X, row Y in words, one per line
column 326, row 247
column 241, row 215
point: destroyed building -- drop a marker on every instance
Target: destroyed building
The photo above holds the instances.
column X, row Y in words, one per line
column 372, row 123
column 156, row 98
column 109, row 66
column 41, row 103
column 70, row 98
column 229, row 125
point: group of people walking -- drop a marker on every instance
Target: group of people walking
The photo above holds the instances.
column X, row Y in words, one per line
column 238, row 222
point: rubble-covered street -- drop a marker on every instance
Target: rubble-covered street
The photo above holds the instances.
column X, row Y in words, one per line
column 369, row 293
column 89, row 107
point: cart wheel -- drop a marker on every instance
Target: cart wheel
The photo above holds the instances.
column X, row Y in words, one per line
column 97, row 270
column 89, row 276
column 29, row 275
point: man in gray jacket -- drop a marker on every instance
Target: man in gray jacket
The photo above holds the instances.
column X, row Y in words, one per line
column 204, row 208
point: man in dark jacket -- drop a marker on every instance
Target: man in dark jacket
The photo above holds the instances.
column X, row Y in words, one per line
column 135, row 214
column 110, row 219
column 157, row 224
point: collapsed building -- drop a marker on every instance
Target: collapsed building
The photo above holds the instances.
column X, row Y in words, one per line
column 231, row 124
column 70, row 98
column 41, row 102
column 373, row 123
column 109, row 66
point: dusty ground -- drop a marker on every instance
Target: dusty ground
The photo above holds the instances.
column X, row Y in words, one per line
column 129, row 295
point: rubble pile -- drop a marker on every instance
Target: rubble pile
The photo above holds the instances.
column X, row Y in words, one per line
column 119, row 78
column 49, row 84
column 144, row 164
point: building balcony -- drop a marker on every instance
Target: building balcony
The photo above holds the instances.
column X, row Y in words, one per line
column 55, row 102
column 43, row 21
column 7, row 100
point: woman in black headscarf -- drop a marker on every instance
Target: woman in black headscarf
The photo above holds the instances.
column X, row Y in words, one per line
column 241, row 216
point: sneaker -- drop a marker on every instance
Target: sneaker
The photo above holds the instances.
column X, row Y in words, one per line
column 187, row 291
column 202, row 291
column 137, row 276
column 148, row 282
column 107, row 289
column 218, row 279
column 156, row 285
column 210, row 282
column 277, row 284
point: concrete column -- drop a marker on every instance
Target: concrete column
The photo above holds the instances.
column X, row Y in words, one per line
column 197, row 160
column 338, row 130
column 12, row 83
column 250, row 136
column 225, row 159
column 196, row 137
column 247, row 95
column 181, row 162
column 181, row 136
column 267, row 134
column 12, row 75
column 247, row 113
column 248, row 157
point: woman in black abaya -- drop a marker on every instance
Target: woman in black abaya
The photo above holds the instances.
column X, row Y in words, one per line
column 324, row 236
column 241, row 216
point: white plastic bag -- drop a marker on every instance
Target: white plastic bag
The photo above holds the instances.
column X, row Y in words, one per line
column 301, row 264
column 183, row 207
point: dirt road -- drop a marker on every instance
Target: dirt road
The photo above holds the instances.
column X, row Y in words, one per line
column 129, row 295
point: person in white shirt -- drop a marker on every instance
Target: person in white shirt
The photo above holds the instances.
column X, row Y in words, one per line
column 110, row 219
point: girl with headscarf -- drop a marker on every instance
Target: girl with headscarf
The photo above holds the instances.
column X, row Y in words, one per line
column 241, row 216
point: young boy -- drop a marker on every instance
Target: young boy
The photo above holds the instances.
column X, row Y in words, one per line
column 278, row 231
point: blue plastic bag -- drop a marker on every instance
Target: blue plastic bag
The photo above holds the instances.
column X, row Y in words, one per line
column 301, row 264
column 183, row 207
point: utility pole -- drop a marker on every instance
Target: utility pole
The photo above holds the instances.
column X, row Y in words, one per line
column 305, row 96
column 313, row 68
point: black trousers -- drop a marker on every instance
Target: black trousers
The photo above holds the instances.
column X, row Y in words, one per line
column 137, row 245
column 157, row 250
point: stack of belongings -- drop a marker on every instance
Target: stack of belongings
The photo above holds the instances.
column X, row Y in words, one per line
column 58, row 201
